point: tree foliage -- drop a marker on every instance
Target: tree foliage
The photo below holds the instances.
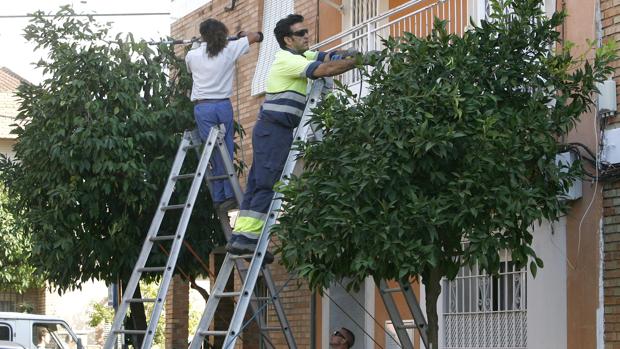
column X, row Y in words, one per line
column 94, row 148
column 16, row 271
column 456, row 142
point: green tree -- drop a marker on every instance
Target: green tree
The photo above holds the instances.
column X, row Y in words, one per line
column 16, row 270
column 94, row 148
column 456, row 142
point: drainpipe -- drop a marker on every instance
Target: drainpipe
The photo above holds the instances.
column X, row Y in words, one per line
column 600, row 311
column 313, row 321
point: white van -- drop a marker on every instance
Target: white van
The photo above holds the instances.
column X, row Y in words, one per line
column 37, row 331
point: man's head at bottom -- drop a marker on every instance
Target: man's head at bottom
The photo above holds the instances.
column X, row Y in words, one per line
column 342, row 338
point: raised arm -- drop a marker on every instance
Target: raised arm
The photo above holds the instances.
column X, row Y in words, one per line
column 332, row 68
column 252, row 36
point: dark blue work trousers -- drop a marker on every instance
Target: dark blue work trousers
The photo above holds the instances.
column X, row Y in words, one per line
column 271, row 143
column 213, row 113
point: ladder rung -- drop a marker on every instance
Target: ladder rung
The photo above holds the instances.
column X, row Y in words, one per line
column 215, row 178
column 184, row 176
column 407, row 326
column 192, row 146
column 141, row 300
column 131, row 331
column 391, row 290
column 262, row 298
column 163, row 237
column 272, row 328
column 213, row 333
column 241, row 256
column 173, row 207
column 151, row 269
column 227, row 294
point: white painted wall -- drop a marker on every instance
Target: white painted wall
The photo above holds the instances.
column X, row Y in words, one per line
column 546, row 303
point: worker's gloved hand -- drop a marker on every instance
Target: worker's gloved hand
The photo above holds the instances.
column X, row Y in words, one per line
column 343, row 54
column 369, row 58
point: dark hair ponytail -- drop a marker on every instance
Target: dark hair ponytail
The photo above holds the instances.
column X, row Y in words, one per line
column 215, row 34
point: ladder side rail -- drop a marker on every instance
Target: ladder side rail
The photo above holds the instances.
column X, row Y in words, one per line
column 130, row 289
column 180, row 235
column 212, row 302
column 242, row 271
column 397, row 321
column 230, row 168
column 240, row 265
column 302, row 132
column 277, row 304
column 416, row 311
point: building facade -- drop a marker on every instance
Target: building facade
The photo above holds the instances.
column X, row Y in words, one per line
column 574, row 302
column 31, row 300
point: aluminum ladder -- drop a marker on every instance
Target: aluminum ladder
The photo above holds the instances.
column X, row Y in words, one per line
column 245, row 295
column 397, row 321
column 190, row 140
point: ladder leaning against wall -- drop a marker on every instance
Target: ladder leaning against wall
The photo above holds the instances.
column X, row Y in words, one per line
column 246, row 298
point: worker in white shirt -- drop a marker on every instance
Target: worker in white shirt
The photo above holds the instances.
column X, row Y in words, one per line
column 212, row 65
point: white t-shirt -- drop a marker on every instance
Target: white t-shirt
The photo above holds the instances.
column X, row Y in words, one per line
column 212, row 76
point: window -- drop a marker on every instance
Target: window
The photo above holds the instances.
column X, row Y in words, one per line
column 5, row 332
column 52, row 336
column 484, row 311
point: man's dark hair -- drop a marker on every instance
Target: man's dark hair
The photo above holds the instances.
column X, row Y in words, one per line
column 215, row 34
column 351, row 335
column 283, row 28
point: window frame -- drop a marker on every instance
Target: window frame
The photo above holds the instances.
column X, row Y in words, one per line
column 9, row 327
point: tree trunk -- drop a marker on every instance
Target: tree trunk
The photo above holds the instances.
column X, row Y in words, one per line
column 137, row 319
column 432, row 284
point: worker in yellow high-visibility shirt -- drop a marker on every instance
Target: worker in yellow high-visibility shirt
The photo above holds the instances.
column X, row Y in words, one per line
column 279, row 115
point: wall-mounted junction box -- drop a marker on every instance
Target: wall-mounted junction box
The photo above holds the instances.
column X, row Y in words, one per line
column 607, row 104
column 611, row 146
column 576, row 190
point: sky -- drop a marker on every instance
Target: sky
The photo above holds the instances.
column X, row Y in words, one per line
column 17, row 54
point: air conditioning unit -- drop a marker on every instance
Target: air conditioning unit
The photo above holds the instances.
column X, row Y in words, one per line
column 576, row 190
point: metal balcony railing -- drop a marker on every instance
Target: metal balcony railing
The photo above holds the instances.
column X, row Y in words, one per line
column 416, row 16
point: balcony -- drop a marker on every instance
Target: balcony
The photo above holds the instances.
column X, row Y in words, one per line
column 416, row 16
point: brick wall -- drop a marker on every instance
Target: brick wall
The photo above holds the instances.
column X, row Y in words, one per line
column 177, row 310
column 6, row 146
column 610, row 15
column 33, row 300
column 248, row 15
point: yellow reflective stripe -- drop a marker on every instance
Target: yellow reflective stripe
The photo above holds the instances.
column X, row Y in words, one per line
column 249, row 225
column 311, row 55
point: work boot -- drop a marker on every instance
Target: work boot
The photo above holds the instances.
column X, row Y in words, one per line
column 227, row 205
column 248, row 246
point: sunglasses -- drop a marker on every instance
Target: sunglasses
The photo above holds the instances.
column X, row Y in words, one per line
column 338, row 334
column 301, row 32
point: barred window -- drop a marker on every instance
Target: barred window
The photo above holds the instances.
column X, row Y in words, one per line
column 486, row 311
